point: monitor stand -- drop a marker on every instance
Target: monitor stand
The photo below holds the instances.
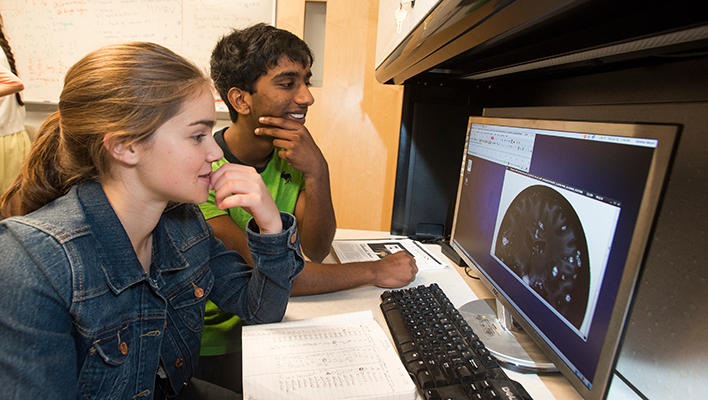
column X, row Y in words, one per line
column 511, row 346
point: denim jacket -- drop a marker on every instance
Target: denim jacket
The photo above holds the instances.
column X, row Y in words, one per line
column 79, row 317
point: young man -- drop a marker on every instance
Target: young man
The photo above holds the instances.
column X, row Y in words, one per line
column 262, row 73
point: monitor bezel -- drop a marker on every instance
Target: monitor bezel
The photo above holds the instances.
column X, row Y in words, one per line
column 667, row 136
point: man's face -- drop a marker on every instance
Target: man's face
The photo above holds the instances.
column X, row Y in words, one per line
column 283, row 92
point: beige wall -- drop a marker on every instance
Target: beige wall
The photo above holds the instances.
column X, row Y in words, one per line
column 355, row 120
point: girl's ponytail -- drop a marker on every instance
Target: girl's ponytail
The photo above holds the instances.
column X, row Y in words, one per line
column 39, row 181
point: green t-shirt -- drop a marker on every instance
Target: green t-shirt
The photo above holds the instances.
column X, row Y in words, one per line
column 284, row 184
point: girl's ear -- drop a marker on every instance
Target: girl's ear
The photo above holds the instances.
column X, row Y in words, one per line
column 120, row 150
column 240, row 100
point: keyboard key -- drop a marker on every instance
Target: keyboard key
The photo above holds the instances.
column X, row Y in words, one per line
column 424, row 380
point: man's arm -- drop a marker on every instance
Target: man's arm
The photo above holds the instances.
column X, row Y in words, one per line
column 392, row 271
column 313, row 210
column 315, row 218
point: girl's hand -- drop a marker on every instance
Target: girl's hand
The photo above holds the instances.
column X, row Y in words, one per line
column 241, row 186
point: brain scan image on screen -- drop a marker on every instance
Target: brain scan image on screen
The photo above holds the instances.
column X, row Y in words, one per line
column 541, row 239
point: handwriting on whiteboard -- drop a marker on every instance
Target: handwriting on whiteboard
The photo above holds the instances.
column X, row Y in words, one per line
column 47, row 37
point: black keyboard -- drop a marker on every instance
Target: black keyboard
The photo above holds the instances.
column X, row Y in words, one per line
column 439, row 349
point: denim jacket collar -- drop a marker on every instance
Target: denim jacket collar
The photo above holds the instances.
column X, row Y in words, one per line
column 118, row 259
column 166, row 254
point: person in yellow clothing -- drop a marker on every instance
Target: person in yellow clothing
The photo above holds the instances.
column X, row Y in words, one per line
column 14, row 141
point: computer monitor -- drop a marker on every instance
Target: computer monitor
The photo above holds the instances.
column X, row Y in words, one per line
column 556, row 216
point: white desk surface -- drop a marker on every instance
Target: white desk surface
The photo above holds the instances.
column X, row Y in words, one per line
column 454, row 282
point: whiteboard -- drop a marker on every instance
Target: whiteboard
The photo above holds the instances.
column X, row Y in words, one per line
column 49, row 36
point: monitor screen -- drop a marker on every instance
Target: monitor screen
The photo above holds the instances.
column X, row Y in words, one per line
column 556, row 215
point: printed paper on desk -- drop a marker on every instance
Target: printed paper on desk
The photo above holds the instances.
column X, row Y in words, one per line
column 348, row 357
column 371, row 250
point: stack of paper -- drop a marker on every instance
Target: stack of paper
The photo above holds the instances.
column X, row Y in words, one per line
column 346, row 356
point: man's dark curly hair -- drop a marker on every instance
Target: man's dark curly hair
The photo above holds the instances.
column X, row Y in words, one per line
column 242, row 56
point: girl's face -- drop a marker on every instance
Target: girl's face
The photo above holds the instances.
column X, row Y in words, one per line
column 176, row 162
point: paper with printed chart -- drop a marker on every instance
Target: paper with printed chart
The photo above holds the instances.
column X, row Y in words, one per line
column 345, row 356
column 371, row 250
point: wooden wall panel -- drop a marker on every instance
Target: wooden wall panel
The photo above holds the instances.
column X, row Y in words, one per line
column 355, row 120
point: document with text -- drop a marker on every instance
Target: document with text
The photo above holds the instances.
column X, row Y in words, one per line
column 345, row 356
column 371, row 250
